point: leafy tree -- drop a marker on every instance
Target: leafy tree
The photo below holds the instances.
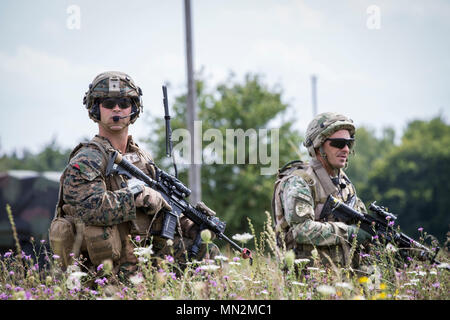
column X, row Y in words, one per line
column 412, row 179
column 234, row 191
column 368, row 148
column 51, row 158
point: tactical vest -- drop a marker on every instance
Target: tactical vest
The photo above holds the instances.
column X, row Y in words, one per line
column 68, row 234
column 321, row 185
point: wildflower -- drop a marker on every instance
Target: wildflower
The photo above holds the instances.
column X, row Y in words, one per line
column 136, row 278
column 235, row 263
column 173, row 276
column 137, row 239
column 344, row 285
column 299, row 261
column 364, row 255
column 296, row 283
column 264, row 291
column 236, row 259
column 221, row 258
column 169, row 259
column 206, row 236
column 436, row 285
column 226, row 278
column 383, row 286
column 55, row 256
column 326, row 290
column 363, row 280
column 101, row 282
column 312, row 269
column 11, row 273
column 375, row 237
column 381, row 295
column 391, row 248
column 43, row 241
column 100, row 267
column 443, row 265
column 213, row 283
column 243, row 237
column 209, row 267
column 7, row 254
column 143, row 254
column 420, row 229
column 73, row 281
column 391, row 223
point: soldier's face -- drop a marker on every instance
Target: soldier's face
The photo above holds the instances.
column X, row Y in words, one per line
column 335, row 156
column 106, row 117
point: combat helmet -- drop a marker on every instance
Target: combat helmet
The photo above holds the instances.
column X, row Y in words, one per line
column 323, row 126
column 112, row 84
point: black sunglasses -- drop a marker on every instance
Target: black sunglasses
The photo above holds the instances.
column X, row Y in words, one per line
column 341, row 142
column 110, row 103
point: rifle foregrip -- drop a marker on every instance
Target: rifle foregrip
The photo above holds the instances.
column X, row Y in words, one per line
column 169, row 225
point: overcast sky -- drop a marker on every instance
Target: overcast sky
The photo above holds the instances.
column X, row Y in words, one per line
column 383, row 63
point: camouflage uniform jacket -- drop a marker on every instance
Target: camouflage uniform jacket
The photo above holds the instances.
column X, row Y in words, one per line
column 103, row 201
column 299, row 195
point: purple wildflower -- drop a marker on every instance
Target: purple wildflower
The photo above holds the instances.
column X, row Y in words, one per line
column 7, row 254
column 101, row 282
column 420, row 229
column 100, row 267
column 170, row 259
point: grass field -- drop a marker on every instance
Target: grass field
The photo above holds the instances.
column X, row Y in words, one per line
column 271, row 276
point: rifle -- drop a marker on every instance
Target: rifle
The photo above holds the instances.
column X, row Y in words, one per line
column 376, row 225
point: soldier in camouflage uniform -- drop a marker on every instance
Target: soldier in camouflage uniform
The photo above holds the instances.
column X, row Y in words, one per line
column 102, row 210
column 301, row 190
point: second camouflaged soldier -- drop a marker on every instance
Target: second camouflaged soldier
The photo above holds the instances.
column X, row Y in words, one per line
column 98, row 214
column 301, row 190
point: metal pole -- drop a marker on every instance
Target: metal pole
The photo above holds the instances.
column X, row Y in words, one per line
column 314, row 94
column 194, row 169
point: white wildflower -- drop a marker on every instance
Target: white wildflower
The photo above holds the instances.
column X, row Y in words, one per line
column 391, row 248
column 143, row 252
column 221, row 258
column 344, row 285
column 326, row 290
column 443, row 265
column 312, row 269
column 74, row 280
column 243, row 237
column 136, row 279
column 296, row 283
column 209, row 267
column 298, row 261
